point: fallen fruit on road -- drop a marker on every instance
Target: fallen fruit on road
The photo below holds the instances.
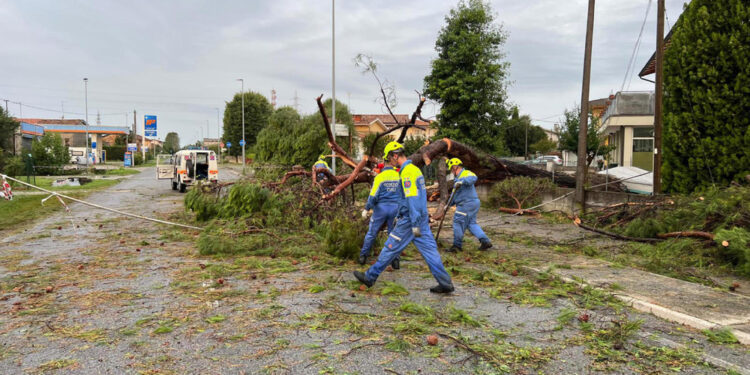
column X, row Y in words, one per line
column 220, row 281
column 583, row 318
column 514, row 273
column 362, row 288
column 49, row 289
column 432, row 340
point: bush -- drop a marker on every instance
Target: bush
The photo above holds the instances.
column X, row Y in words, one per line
column 14, row 166
column 344, row 238
column 50, row 154
column 520, row 192
column 115, row 153
column 738, row 251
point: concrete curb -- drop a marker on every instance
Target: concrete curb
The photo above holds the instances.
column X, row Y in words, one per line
column 669, row 315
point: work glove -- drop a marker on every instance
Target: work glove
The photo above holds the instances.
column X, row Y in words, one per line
column 416, row 232
column 457, row 185
column 365, row 213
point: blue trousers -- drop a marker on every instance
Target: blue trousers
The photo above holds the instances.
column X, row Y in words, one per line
column 466, row 218
column 399, row 238
column 382, row 213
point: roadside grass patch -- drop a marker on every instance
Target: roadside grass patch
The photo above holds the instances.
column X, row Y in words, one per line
column 720, row 336
column 57, row 364
column 216, row 319
column 461, row 316
column 393, row 289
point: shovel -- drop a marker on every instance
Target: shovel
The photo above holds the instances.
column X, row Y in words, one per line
column 447, row 206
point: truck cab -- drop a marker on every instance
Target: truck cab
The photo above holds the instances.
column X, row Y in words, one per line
column 186, row 167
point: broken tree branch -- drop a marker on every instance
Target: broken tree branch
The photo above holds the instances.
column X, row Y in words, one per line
column 332, row 138
column 688, row 233
column 578, row 223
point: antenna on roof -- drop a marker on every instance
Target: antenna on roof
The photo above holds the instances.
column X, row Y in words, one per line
column 98, row 117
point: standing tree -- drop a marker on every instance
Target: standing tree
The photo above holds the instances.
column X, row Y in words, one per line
column 50, row 153
column 569, row 136
column 707, row 97
column 469, row 76
column 171, row 143
column 8, row 126
column 257, row 112
column 513, row 132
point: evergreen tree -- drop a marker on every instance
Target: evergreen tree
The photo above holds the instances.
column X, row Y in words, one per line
column 469, row 76
column 707, row 96
column 257, row 112
column 172, row 143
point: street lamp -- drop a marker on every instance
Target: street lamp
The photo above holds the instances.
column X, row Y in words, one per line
column 86, row 96
column 242, row 140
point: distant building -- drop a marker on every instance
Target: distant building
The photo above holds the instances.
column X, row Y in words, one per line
column 628, row 124
column 208, row 142
column 73, row 133
column 366, row 124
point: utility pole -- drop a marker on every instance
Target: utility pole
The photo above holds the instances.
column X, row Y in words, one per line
column 86, row 96
column 583, row 125
column 135, row 131
column 659, row 94
column 333, row 76
column 20, row 110
column 526, row 144
column 62, row 109
column 242, row 138
column 218, row 132
column 296, row 101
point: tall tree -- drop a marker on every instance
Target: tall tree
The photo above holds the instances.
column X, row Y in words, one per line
column 257, row 112
column 289, row 139
column 707, row 96
column 569, row 135
column 513, row 132
column 469, row 76
column 8, row 126
column 172, row 143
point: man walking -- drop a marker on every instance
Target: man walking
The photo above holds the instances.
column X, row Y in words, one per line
column 383, row 201
column 467, row 206
column 412, row 225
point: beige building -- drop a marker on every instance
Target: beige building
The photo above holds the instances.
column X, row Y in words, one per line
column 628, row 123
column 377, row 123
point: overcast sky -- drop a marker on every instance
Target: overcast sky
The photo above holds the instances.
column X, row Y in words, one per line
column 180, row 60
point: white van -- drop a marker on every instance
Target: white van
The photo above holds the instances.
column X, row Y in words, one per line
column 187, row 166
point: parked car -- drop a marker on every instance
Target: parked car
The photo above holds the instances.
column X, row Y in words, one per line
column 542, row 160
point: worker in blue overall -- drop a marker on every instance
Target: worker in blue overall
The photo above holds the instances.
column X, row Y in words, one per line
column 321, row 164
column 467, row 207
column 383, row 201
column 412, row 225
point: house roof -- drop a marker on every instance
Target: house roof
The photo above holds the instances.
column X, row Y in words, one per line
column 650, row 67
column 45, row 121
column 385, row 118
column 98, row 129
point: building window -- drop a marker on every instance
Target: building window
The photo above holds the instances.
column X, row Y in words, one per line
column 643, row 148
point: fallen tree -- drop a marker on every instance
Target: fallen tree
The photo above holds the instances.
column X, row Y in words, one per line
column 487, row 167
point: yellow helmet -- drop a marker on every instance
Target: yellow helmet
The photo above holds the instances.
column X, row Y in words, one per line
column 321, row 157
column 392, row 146
column 453, row 162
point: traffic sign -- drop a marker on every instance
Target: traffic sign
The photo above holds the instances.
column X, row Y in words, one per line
column 150, row 133
column 229, row 144
column 242, row 142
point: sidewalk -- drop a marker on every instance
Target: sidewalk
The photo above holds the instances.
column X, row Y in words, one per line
column 694, row 305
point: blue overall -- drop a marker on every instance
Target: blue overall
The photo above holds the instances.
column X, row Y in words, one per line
column 412, row 214
column 321, row 164
column 383, row 201
column 467, row 207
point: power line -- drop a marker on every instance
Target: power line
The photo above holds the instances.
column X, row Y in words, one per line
column 635, row 49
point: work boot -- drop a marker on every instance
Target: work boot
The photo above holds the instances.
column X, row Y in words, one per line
column 362, row 259
column 455, row 249
column 396, row 264
column 442, row 289
column 362, row 279
column 485, row 245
